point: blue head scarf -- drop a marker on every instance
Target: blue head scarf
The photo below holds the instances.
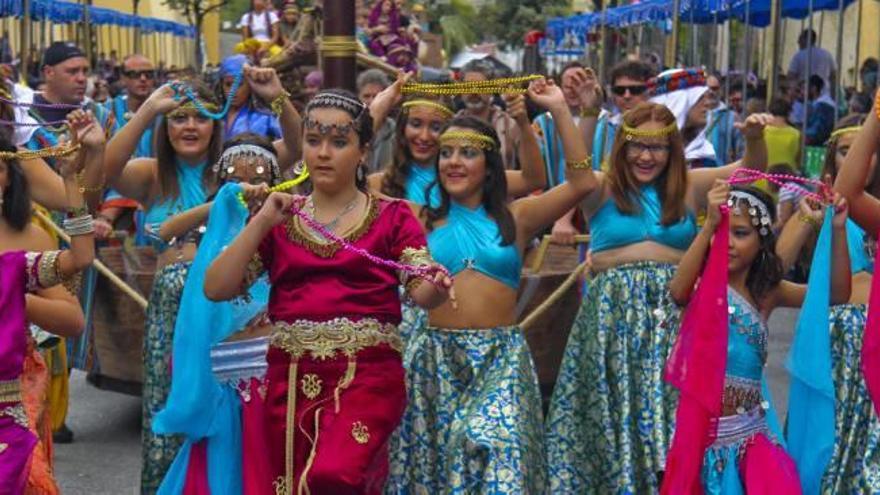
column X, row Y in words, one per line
column 233, row 65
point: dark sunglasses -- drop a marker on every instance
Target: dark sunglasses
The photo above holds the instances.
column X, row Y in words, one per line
column 633, row 90
column 136, row 74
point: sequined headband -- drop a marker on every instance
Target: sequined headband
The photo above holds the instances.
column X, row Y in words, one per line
column 846, row 130
column 632, row 132
column 763, row 221
column 350, row 105
column 430, row 104
column 225, row 166
column 475, row 139
column 325, row 129
column 188, row 107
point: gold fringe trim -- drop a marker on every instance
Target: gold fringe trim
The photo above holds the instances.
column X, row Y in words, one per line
column 297, row 233
column 10, row 391
column 303, row 487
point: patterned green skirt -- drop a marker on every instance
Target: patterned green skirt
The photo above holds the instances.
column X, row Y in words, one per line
column 855, row 463
column 611, row 414
column 473, row 418
column 158, row 451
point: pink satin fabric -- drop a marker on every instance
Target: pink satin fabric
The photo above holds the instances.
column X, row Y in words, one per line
column 696, row 367
column 871, row 341
column 306, row 286
column 325, row 435
column 766, row 469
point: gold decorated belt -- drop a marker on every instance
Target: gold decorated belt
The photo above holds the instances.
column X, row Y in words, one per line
column 10, row 391
column 324, row 339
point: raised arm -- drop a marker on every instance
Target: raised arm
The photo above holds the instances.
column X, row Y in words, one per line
column 266, row 84
column 536, row 213
column 755, row 158
column 797, row 231
column 180, row 224
column 689, row 268
column 533, row 173
column 79, row 225
column 225, row 276
column 852, row 177
column 386, row 100
column 90, row 135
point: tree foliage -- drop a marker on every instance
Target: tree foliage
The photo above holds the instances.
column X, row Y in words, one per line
column 508, row 21
column 195, row 11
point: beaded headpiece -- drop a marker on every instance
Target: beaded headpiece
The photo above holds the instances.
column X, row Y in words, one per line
column 471, row 138
column 446, row 111
column 189, row 107
column 758, row 211
column 508, row 85
column 846, row 130
column 633, row 132
column 324, row 100
column 676, row 80
column 225, row 166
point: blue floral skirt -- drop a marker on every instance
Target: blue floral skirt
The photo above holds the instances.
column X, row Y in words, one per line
column 473, row 422
column 611, row 414
column 855, row 462
column 158, row 451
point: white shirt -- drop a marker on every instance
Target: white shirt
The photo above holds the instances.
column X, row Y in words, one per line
column 822, row 65
column 259, row 29
column 23, row 94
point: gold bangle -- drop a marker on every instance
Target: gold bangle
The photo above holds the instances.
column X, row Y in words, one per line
column 585, row 164
column 590, row 112
column 809, row 221
column 85, row 189
column 277, row 104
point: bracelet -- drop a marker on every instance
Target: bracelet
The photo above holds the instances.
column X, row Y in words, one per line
column 585, row 164
column 809, row 221
column 277, row 105
column 77, row 211
column 590, row 112
column 85, row 189
column 81, row 225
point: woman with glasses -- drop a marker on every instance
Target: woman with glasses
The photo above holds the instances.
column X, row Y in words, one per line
column 178, row 179
column 610, row 418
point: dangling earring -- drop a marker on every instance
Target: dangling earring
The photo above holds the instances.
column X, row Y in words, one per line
column 361, row 174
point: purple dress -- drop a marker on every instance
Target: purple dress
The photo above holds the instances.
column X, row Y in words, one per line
column 20, row 273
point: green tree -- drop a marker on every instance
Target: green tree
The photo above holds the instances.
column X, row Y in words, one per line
column 507, row 21
column 195, row 11
column 234, row 9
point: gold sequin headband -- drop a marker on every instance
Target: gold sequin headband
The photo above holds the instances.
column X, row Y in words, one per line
column 632, row 132
column 430, row 104
column 474, row 139
column 846, row 130
column 188, row 107
column 490, row 86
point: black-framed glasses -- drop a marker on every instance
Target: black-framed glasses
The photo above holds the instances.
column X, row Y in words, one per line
column 137, row 74
column 633, row 90
column 635, row 148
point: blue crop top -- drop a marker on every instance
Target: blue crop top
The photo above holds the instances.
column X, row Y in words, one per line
column 610, row 228
column 418, row 181
column 192, row 194
column 746, row 339
column 470, row 239
column 859, row 260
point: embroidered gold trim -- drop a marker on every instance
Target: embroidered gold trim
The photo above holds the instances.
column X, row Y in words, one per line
column 17, row 414
column 297, row 233
column 311, row 385
column 360, row 432
column 343, row 384
column 10, row 391
column 413, row 257
column 469, row 138
column 443, row 109
column 253, row 272
column 290, row 435
column 73, row 284
column 631, row 132
column 325, row 339
column 303, row 483
column 280, row 486
column 47, row 272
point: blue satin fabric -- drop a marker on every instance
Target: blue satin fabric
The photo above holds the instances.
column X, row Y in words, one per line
column 422, row 187
column 199, row 406
column 611, row 228
column 810, row 425
column 470, row 239
column 859, row 261
column 191, row 194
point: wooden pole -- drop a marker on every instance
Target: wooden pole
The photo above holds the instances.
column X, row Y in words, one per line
column 839, row 57
column 24, row 49
column 773, row 80
column 858, row 43
column 672, row 47
column 338, row 46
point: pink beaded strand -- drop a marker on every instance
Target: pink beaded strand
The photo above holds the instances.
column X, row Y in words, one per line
column 784, row 181
column 422, row 271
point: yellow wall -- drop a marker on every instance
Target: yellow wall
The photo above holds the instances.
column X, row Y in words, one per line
column 173, row 50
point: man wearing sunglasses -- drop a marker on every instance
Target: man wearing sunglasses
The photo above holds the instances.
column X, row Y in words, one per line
column 629, row 87
column 139, row 81
column 721, row 127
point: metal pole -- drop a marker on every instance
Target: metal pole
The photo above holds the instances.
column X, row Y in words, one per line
column 839, row 57
column 773, row 80
column 25, row 36
column 603, row 41
column 713, row 51
column 807, row 88
column 693, row 37
column 672, row 51
column 748, row 49
column 859, row 46
column 339, row 46
column 87, row 32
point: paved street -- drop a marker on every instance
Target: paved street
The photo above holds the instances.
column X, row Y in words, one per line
column 105, row 458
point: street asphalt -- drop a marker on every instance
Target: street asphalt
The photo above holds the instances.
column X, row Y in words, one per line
column 105, row 456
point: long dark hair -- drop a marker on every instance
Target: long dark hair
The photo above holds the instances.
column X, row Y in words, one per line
column 395, row 174
column 166, row 156
column 765, row 274
column 16, row 208
column 494, row 185
column 360, row 117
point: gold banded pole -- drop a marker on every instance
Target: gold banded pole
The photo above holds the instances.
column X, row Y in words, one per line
column 338, row 45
